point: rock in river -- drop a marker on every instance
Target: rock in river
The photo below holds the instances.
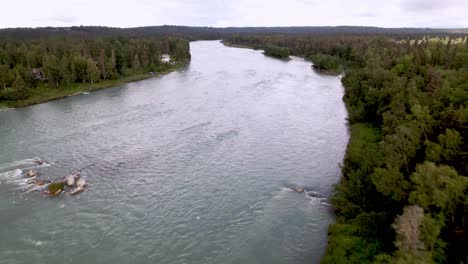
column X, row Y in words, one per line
column 32, row 173
column 299, row 189
column 81, row 183
column 70, row 179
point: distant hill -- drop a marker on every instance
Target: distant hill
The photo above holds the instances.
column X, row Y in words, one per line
column 216, row 33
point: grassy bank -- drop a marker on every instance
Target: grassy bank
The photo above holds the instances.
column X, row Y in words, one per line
column 43, row 92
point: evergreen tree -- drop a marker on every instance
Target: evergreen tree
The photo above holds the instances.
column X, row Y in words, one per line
column 19, row 86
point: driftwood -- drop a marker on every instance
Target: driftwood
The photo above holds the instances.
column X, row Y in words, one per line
column 77, row 190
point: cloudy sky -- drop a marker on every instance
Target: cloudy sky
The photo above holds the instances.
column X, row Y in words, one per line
column 223, row 13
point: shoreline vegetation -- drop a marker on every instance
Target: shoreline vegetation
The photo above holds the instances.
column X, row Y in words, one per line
column 36, row 70
column 240, row 46
column 403, row 192
column 271, row 50
column 322, row 63
column 43, row 93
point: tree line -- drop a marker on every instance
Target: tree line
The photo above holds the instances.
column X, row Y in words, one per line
column 403, row 193
column 59, row 62
column 197, row 33
column 276, row 51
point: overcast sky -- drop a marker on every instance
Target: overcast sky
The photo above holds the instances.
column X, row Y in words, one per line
column 223, row 13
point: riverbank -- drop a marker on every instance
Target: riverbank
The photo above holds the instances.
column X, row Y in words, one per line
column 346, row 237
column 43, row 93
column 233, row 45
column 328, row 72
column 313, row 66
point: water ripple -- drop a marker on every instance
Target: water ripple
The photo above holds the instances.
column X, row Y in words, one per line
column 197, row 166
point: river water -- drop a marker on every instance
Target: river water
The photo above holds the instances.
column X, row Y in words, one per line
column 196, row 166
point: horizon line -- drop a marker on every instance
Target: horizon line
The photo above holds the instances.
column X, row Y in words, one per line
column 217, row 27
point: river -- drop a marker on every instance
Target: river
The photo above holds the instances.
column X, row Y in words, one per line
column 196, row 166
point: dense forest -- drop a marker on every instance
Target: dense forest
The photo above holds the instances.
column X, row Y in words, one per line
column 403, row 194
column 37, row 69
column 275, row 51
column 197, row 33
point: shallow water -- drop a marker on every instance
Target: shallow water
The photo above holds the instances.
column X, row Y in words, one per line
column 195, row 166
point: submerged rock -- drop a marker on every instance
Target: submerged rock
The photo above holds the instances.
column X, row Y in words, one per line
column 32, row 173
column 39, row 162
column 299, row 189
column 81, row 183
column 70, row 179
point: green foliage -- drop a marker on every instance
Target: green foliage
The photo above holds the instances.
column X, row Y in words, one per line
column 362, row 155
column 275, row 51
column 437, row 188
column 27, row 64
column 327, row 63
column 391, row 183
column 92, row 71
column 52, row 69
column 448, row 148
column 54, row 187
column 6, row 76
column 19, row 86
column 346, row 245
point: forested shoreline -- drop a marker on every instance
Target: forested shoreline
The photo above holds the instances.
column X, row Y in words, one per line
column 40, row 69
column 403, row 194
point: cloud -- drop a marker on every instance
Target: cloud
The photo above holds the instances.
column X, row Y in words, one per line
column 365, row 14
column 425, row 5
column 133, row 13
column 64, row 19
